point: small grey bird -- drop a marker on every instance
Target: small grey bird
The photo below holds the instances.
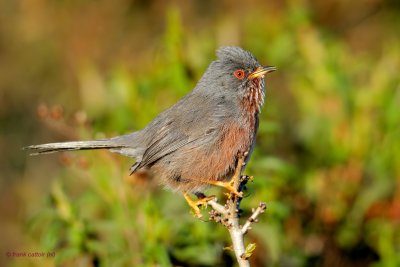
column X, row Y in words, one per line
column 196, row 142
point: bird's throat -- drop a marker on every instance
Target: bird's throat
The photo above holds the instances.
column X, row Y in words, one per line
column 254, row 96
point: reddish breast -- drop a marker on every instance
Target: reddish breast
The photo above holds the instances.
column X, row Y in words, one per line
column 218, row 163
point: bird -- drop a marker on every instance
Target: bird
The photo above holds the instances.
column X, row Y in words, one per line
column 197, row 142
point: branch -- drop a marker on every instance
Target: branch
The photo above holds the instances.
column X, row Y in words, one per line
column 218, row 207
column 253, row 218
column 228, row 215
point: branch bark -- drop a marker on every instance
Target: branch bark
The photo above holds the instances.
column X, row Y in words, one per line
column 229, row 215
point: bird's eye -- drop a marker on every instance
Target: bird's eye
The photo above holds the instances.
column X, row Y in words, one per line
column 239, row 74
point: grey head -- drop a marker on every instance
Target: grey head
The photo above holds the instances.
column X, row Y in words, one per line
column 235, row 74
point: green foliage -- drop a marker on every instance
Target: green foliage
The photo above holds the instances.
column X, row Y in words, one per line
column 249, row 250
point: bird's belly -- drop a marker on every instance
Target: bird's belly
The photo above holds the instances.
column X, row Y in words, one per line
column 217, row 160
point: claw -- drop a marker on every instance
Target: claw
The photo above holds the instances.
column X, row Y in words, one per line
column 229, row 186
column 195, row 204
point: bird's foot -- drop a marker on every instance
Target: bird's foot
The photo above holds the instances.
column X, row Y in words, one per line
column 195, row 204
column 229, row 186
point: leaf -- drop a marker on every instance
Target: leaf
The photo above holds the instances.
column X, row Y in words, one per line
column 230, row 248
column 249, row 251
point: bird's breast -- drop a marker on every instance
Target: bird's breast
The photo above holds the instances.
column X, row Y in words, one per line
column 216, row 159
column 219, row 160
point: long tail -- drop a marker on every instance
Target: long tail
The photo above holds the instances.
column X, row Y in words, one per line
column 76, row 145
column 127, row 145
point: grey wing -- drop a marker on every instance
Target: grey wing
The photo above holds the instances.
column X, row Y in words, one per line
column 164, row 143
column 180, row 126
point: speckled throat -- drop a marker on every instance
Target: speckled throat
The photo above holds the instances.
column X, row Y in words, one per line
column 254, row 97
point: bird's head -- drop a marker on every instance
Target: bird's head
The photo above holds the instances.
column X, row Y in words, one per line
column 237, row 73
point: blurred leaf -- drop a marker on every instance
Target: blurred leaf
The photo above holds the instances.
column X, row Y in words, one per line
column 249, row 250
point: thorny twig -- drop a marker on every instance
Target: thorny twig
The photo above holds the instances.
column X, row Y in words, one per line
column 228, row 215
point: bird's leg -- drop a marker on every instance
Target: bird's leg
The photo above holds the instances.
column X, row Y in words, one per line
column 194, row 204
column 231, row 185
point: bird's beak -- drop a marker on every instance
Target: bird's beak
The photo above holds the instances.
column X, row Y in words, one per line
column 261, row 71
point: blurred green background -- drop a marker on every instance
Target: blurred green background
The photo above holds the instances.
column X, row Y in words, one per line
column 327, row 160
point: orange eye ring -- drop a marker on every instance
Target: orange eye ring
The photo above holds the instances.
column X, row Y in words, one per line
column 239, row 74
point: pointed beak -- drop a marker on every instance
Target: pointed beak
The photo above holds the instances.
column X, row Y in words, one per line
column 261, row 71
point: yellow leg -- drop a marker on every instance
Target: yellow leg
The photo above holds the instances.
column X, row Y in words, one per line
column 194, row 204
column 228, row 186
column 233, row 184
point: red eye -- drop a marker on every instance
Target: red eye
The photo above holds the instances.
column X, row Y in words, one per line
column 239, row 74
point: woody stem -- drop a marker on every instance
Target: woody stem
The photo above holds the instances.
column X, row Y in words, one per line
column 228, row 215
column 235, row 230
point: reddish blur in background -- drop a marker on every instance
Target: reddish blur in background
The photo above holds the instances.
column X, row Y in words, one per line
column 327, row 160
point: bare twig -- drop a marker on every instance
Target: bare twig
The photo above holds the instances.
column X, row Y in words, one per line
column 228, row 215
column 253, row 218
column 218, row 207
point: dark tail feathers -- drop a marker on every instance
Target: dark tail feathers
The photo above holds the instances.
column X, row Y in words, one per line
column 75, row 145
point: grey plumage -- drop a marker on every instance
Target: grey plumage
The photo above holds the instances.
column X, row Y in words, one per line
column 125, row 145
column 198, row 122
